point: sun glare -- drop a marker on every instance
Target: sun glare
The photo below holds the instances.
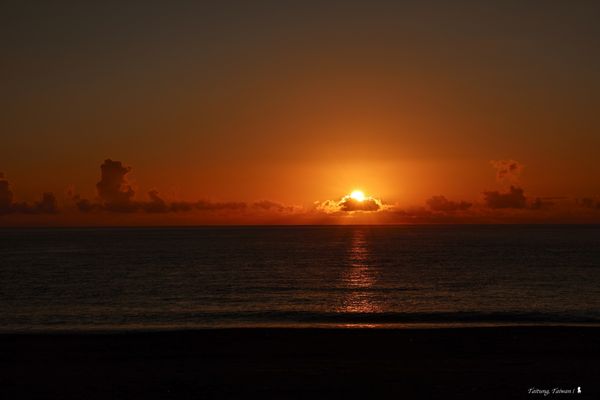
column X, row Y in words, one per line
column 358, row 195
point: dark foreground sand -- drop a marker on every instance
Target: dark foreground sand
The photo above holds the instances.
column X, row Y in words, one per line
column 485, row 363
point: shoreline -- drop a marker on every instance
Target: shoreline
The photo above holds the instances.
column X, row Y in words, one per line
column 143, row 329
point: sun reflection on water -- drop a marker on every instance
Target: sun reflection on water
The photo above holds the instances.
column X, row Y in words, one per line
column 359, row 277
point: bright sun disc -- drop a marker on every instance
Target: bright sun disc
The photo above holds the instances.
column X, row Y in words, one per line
column 358, row 195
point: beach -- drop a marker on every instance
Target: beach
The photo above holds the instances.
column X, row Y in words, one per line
column 486, row 362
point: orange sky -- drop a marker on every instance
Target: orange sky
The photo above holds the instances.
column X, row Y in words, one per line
column 297, row 104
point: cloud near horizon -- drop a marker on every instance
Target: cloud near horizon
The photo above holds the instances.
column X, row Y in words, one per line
column 268, row 205
column 509, row 172
column 46, row 205
column 513, row 198
column 348, row 204
column 113, row 188
column 441, row 203
column 115, row 195
column 589, row 202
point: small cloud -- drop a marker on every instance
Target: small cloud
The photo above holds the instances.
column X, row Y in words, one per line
column 507, row 170
column 514, row 198
column 327, row 206
column 441, row 203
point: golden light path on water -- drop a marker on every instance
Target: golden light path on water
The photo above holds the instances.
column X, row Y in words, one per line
column 359, row 277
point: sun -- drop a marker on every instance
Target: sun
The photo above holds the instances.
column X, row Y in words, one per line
column 358, row 195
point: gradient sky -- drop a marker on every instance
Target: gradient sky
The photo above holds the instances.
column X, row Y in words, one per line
column 301, row 101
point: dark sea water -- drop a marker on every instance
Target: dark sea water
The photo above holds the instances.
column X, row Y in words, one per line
column 170, row 278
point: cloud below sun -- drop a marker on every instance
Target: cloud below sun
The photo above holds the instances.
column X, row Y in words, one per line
column 353, row 202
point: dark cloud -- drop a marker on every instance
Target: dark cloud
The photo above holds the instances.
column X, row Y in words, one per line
column 268, row 205
column 156, row 203
column 86, row 206
column 113, row 188
column 412, row 212
column 181, row 206
column 205, row 205
column 350, row 204
column 46, row 205
column 514, row 198
column 588, row 202
column 441, row 203
column 6, row 196
column 507, row 170
column 540, row 203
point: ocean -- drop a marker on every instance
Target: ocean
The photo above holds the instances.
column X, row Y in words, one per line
column 114, row 279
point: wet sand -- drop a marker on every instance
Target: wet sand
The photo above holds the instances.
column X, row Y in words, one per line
column 485, row 363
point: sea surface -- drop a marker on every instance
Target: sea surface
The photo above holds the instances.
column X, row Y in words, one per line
column 329, row 276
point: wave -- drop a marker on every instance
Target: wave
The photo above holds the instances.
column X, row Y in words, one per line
column 297, row 319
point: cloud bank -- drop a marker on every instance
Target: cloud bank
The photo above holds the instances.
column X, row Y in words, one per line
column 115, row 194
column 441, row 203
column 116, row 197
column 46, row 205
